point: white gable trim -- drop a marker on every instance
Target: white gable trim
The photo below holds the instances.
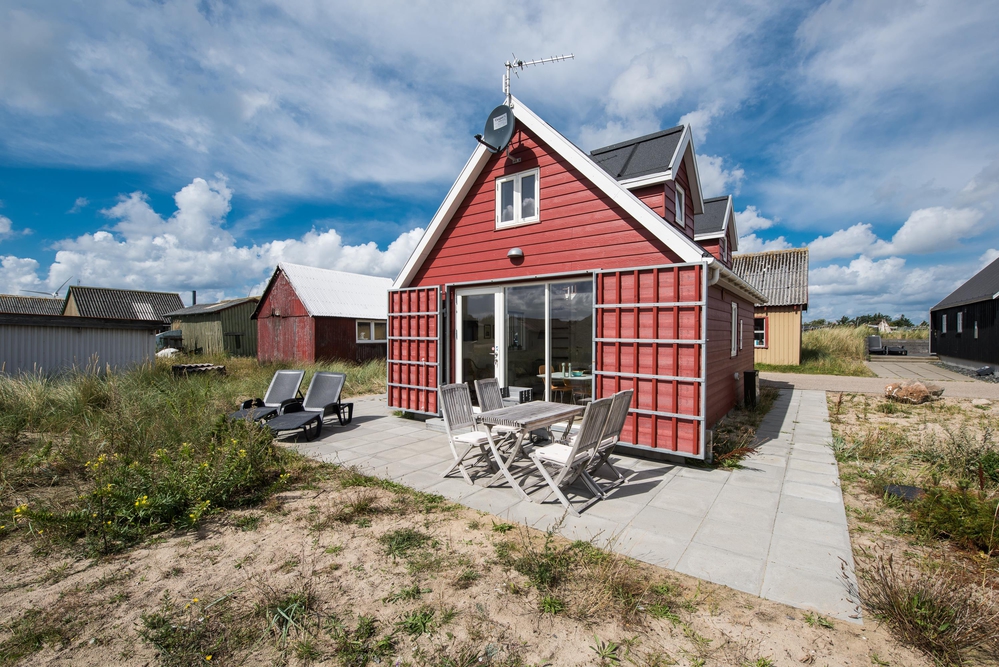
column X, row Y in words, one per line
column 684, row 147
column 651, row 179
column 672, row 237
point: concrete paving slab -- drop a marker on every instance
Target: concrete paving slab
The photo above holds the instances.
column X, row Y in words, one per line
column 822, row 510
column 827, row 595
column 766, row 500
column 669, row 524
column 756, row 520
column 798, row 463
column 738, row 538
column 818, row 532
column 813, row 492
column 829, row 477
column 650, row 547
column 790, row 552
column 743, row 573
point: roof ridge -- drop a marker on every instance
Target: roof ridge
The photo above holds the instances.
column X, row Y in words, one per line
column 646, row 137
column 117, row 289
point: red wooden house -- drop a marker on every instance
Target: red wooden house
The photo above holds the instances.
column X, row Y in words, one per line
column 308, row 314
column 576, row 275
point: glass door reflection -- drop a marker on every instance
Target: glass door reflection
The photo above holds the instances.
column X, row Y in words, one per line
column 571, row 353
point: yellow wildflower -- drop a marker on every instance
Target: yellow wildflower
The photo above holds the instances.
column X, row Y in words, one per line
column 194, row 599
column 208, row 658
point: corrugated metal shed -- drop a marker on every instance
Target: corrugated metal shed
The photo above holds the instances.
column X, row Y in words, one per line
column 983, row 286
column 215, row 328
column 120, row 304
column 55, row 344
column 781, row 275
column 326, row 293
column 30, row 305
column 206, row 308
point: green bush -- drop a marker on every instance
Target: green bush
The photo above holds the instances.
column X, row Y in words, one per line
column 961, row 516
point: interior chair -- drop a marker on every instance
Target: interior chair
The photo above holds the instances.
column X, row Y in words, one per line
column 558, row 388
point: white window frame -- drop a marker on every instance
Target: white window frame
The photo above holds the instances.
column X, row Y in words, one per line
column 960, row 322
column 679, row 206
column 724, row 248
column 517, row 180
column 371, row 331
column 765, row 325
column 740, row 334
column 735, row 318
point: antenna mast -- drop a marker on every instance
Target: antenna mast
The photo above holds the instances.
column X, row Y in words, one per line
column 516, row 64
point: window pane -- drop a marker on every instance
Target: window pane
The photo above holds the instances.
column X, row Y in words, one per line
column 364, row 331
column 506, row 201
column 572, row 340
column 759, row 332
column 379, row 331
column 525, row 338
column 528, row 204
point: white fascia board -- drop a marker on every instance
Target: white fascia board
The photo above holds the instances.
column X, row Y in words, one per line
column 645, row 181
column 687, row 142
column 443, row 215
column 706, row 237
column 678, row 242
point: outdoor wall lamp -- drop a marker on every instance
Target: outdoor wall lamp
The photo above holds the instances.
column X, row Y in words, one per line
column 515, row 254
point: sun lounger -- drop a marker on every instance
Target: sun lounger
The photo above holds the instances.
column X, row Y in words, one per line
column 284, row 390
column 321, row 401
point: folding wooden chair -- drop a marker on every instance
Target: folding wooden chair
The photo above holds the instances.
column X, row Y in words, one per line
column 620, row 404
column 472, row 445
column 562, row 464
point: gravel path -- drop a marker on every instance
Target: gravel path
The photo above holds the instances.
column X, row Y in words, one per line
column 874, row 385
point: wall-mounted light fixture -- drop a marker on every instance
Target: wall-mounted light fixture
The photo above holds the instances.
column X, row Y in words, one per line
column 515, row 254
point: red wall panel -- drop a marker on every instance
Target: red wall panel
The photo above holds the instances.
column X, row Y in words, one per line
column 285, row 332
column 413, row 349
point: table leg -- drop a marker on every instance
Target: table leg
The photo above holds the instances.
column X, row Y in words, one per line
column 504, row 468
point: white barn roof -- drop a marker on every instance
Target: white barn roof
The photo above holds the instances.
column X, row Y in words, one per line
column 327, row 293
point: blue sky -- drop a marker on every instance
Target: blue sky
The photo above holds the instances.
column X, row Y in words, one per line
column 193, row 145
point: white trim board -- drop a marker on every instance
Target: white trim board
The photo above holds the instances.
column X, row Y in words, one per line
column 669, row 235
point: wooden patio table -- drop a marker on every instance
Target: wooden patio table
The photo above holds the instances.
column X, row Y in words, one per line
column 525, row 418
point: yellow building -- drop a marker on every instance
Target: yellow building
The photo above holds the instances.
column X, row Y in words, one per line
column 782, row 276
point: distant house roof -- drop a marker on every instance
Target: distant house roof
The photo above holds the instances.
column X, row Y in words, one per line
column 781, row 275
column 29, row 305
column 206, row 308
column 327, row 293
column 982, row 286
column 641, row 156
column 122, row 304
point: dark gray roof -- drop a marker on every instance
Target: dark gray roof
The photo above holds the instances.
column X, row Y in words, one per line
column 121, row 304
column 640, row 156
column 206, row 308
column 30, row 305
column 713, row 220
column 781, row 275
column 983, row 286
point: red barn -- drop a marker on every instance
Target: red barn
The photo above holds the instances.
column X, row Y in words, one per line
column 577, row 275
column 308, row 314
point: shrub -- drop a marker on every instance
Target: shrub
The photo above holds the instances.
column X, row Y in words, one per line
column 961, row 516
column 934, row 613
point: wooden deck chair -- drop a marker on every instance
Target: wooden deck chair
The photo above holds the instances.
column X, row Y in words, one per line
column 284, row 389
column 471, row 446
column 618, row 415
column 321, row 400
column 491, row 398
column 561, row 464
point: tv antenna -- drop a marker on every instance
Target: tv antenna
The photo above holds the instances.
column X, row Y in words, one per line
column 48, row 294
column 517, row 64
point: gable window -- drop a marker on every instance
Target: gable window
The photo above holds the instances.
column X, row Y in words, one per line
column 943, row 323
column 740, row 334
column 678, row 211
column 370, row 332
column 517, row 199
column 724, row 249
column 735, row 318
column 760, row 332
column 960, row 322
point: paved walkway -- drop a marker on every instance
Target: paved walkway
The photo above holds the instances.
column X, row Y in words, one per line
column 915, row 370
column 973, row 389
column 775, row 528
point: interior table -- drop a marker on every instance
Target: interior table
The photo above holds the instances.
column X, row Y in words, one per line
column 523, row 418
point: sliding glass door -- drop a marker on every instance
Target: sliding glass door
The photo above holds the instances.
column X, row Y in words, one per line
column 571, row 325
column 526, row 338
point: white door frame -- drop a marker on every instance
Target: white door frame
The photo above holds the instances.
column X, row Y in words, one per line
column 499, row 330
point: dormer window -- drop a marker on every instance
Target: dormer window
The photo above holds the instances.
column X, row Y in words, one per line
column 680, row 195
column 724, row 249
column 517, row 199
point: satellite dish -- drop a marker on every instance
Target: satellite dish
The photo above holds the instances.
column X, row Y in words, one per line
column 499, row 129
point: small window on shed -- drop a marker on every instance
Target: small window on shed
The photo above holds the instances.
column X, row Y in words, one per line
column 976, row 329
column 371, row 332
column 517, row 199
column 960, row 322
column 678, row 212
column 943, row 323
column 740, row 334
column 735, row 333
column 760, row 332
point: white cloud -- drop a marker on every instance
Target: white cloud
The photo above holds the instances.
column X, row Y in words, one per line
column 752, row 243
column 848, row 242
column 192, row 250
column 932, row 230
column 5, row 226
column 80, row 204
column 750, row 220
column 700, row 121
column 982, row 186
column 988, row 257
column 716, row 180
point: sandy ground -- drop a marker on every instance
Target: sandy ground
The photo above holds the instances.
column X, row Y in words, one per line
column 837, row 383
column 294, row 543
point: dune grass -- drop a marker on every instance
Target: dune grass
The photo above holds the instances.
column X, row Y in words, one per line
column 833, row 351
column 105, row 460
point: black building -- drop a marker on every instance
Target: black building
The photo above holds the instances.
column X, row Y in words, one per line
column 964, row 327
